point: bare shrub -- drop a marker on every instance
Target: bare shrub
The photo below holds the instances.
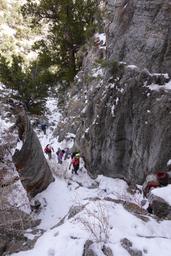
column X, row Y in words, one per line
column 96, row 222
column 136, row 199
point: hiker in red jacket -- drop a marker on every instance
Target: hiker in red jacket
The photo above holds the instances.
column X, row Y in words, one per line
column 75, row 162
column 48, row 150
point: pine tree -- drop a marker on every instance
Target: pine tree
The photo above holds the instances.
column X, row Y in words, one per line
column 30, row 84
column 70, row 23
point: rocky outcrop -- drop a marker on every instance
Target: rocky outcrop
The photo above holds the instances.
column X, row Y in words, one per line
column 160, row 207
column 77, row 96
column 13, row 224
column 125, row 129
column 11, row 189
column 107, row 251
column 122, row 118
column 15, row 208
column 128, row 246
column 89, row 249
column 30, row 161
column 139, row 33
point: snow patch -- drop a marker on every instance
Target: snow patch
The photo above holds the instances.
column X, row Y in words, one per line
column 132, row 66
column 112, row 110
column 97, row 72
column 156, row 87
column 169, row 162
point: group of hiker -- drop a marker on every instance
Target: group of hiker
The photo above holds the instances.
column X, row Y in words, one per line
column 64, row 154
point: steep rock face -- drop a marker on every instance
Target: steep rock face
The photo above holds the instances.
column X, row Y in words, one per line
column 77, row 97
column 126, row 127
column 139, row 33
column 12, row 192
column 15, row 208
column 124, row 124
column 13, row 223
column 30, row 161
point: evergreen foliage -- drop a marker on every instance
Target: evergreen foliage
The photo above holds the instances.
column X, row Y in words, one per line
column 70, row 23
column 31, row 84
column 66, row 26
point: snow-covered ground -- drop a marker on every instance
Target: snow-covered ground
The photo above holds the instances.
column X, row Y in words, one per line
column 99, row 217
column 77, row 208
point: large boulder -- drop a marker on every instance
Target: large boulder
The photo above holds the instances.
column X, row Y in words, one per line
column 160, row 207
column 30, row 161
column 160, row 202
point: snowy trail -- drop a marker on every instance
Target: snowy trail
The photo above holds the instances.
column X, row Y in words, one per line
column 69, row 190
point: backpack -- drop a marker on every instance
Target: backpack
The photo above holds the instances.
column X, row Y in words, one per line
column 76, row 161
column 162, row 178
column 47, row 150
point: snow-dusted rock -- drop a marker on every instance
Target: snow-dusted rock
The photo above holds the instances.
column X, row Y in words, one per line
column 29, row 160
column 160, row 202
column 127, row 245
column 88, row 251
column 107, row 250
column 122, row 110
column 130, row 140
column 138, row 33
column 14, row 205
column 13, row 193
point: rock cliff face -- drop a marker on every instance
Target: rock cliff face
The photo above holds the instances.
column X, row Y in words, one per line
column 126, row 123
column 15, row 207
column 13, row 195
column 15, row 210
column 139, row 33
column 30, row 161
column 124, row 126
